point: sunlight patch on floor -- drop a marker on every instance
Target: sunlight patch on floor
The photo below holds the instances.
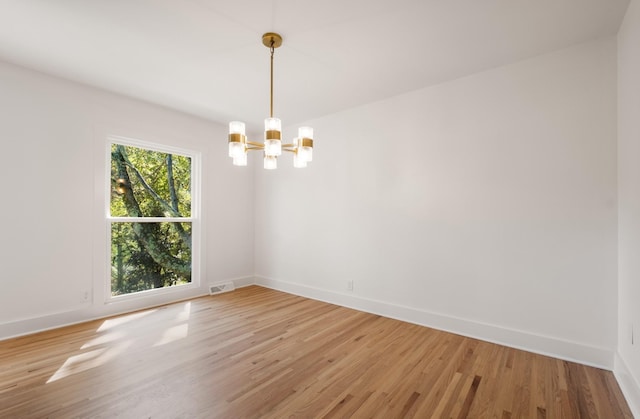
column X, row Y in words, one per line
column 118, row 335
column 179, row 331
column 103, row 339
column 173, row 334
column 85, row 361
column 111, row 323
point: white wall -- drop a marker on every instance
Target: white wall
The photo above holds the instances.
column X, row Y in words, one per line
column 628, row 363
column 485, row 206
column 53, row 136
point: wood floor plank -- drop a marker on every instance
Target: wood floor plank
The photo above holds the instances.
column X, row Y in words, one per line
column 259, row 353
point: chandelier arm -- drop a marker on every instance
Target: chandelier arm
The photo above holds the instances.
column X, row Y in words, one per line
column 255, row 144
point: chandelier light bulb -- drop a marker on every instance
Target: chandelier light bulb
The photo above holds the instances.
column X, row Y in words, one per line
column 305, row 132
column 272, row 124
column 237, row 127
column 270, row 162
column 240, row 160
column 272, row 134
column 237, row 139
column 273, row 147
column 305, row 153
column 236, row 149
column 298, row 162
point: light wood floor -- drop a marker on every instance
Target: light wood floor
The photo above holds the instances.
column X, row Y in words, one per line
column 262, row 353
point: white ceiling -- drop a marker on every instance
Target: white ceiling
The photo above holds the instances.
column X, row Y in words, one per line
column 205, row 57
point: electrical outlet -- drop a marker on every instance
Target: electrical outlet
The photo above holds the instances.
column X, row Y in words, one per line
column 350, row 285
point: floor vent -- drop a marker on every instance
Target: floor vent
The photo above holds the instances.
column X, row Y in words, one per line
column 220, row 288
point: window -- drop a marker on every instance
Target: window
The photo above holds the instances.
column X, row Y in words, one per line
column 151, row 218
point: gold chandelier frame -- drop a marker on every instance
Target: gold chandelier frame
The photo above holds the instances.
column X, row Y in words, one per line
column 239, row 145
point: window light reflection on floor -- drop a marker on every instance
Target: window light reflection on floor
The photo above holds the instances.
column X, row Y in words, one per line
column 121, row 334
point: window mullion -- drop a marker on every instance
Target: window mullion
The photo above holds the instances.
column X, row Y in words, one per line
column 150, row 220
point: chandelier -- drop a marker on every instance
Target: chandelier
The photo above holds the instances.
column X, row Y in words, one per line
column 239, row 146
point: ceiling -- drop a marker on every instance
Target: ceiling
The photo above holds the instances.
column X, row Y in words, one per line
column 205, row 57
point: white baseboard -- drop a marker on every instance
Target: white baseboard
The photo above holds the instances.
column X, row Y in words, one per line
column 244, row 281
column 628, row 384
column 544, row 345
column 88, row 312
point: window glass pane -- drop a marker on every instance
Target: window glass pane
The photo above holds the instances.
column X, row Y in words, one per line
column 145, row 256
column 147, row 183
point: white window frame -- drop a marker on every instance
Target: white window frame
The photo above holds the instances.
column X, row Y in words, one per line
column 194, row 219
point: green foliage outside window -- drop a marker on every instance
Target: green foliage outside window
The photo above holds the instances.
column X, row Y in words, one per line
column 149, row 254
